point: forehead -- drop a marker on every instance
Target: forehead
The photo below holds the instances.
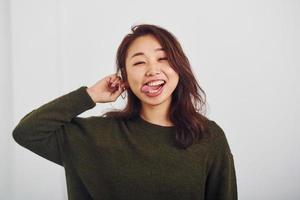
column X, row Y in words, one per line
column 144, row 44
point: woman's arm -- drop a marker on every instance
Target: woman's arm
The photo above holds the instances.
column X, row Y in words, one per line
column 42, row 130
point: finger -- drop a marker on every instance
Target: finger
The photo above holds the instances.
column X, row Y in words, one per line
column 114, row 79
column 117, row 81
column 115, row 84
column 113, row 88
column 108, row 80
column 117, row 92
column 117, row 78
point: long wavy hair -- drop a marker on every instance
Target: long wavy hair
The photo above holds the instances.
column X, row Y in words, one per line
column 188, row 99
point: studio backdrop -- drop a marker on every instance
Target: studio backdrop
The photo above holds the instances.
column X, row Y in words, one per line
column 245, row 54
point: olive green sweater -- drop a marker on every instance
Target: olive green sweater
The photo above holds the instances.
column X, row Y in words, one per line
column 109, row 159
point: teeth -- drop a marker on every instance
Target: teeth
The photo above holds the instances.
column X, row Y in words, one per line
column 154, row 83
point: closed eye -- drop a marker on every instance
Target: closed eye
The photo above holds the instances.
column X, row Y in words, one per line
column 138, row 63
column 165, row 58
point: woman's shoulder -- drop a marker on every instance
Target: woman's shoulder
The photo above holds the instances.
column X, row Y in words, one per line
column 217, row 136
column 215, row 129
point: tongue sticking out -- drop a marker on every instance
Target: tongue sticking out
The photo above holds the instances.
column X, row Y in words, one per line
column 147, row 88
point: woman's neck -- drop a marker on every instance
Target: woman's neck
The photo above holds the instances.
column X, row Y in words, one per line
column 157, row 114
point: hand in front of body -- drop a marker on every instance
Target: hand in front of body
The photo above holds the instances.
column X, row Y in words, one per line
column 107, row 89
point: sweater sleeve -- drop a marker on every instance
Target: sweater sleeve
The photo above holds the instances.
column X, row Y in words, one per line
column 221, row 180
column 42, row 130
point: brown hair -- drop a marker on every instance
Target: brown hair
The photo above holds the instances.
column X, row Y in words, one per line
column 187, row 100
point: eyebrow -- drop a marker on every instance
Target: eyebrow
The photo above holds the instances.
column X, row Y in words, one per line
column 141, row 53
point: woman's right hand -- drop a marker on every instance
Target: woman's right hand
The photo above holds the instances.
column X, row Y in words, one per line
column 107, row 89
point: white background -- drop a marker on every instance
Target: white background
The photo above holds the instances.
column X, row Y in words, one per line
column 245, row 55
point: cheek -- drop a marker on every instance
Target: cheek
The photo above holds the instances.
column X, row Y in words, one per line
column 173, row 74
column 174, row 79
column 132, row 78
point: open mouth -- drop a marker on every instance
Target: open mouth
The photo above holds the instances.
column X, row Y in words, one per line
column 148, row 88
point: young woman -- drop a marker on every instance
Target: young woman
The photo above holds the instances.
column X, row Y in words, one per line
column 160, row 146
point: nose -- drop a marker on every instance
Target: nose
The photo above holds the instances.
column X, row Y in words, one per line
column 153, row 69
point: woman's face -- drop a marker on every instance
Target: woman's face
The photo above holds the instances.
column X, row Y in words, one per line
column 144, row 63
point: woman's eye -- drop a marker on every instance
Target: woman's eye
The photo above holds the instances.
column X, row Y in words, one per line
column 164, row 58
column 138, row 63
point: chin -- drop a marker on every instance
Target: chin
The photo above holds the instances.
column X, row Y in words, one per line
column 155, row 101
